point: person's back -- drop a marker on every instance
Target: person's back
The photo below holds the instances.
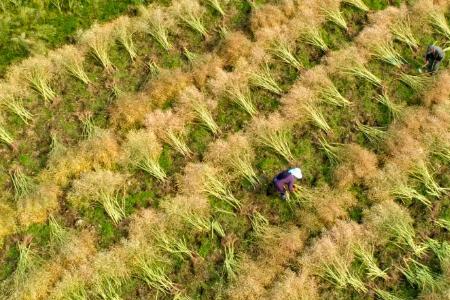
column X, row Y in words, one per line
column 433, row 57
column 286, row 178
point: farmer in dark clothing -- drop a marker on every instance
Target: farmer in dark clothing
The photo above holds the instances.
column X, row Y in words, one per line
column 433, row 58
column 286, row 178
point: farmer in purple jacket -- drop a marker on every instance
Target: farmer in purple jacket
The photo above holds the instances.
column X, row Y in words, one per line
column 286, row 178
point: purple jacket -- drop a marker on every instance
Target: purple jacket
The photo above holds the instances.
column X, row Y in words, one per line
column 283, row 179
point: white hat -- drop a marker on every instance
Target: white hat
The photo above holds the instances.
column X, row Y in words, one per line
column 296, row 172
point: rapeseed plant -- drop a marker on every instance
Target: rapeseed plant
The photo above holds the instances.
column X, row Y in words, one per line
column 216, row 187
column 313, row 36
column 263, row 78
column 373, row 134
column 438, row 20
column 317, row 117
column 339, row 274
column 278, row 141
column 440, row 249
column 331, row 150
column 443, row 223
column 259, row 224
column 25, row 262
column 407, row 193
column 99, row 39
column 236, row 155
column 387, row 53
column 72, row 59
column 358, row 4
column 8, row 99
column 124, row 31
column 404, row 234
column 285, row 53
column 169, row 127
column 178, row 141
column 194, row 99
column 384, row 295
column 230, row 262
column 204, row 114
column 242, row 97
column 5, row 137
column 101, row 186
column 331, row 95
column 415, row 82
column 403, row 33
column 367, row 259
column 57, row 233
column 244, row 167
column 189, row 11
column 423, row 175
column 108, row 289
column 155, row 276
column 23, row 184
column 394, row 109
column 156, row 24
column 174, row 246
column 335, row 16
column 362, row 72
column 217, row 6
column 38, row 76
column 143, row 151
column 419, row 274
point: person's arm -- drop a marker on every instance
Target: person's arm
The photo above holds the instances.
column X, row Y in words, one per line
column 291, row 183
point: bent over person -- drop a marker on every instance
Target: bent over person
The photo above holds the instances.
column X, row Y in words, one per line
column 286, row 179
column 433, row 58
